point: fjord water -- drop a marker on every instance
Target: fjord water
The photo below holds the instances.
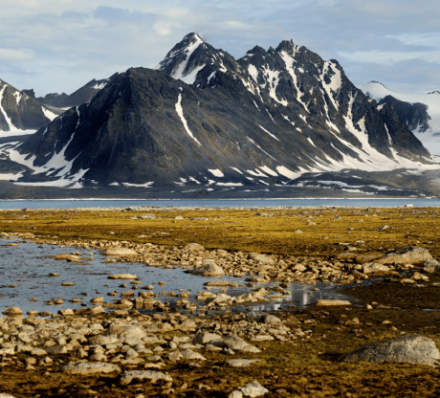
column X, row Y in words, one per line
column 232, row 203
column 28, row 266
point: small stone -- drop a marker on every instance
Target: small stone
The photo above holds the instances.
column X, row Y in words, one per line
column 123, row 276
column 329, row 303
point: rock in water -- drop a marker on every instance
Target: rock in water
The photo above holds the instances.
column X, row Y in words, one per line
column 86, row 368
column 405, row 255
column 208, row 270
column 329, row 303
column 123, row 276
column 120, row 252
column 416, row 350
column 13, row 311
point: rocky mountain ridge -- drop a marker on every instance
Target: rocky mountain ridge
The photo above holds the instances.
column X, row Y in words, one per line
column 80, row 96
column 20, row 114
column 207, row 121
column 420, row 112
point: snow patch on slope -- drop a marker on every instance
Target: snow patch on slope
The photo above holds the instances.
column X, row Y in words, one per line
column 179, row 111
column 49, row 115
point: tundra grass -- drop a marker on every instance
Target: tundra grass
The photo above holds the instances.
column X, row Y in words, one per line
column 242, row 229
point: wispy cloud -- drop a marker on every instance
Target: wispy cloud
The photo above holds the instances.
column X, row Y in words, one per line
column 58, row 45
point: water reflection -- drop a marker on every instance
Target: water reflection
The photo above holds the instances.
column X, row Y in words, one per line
column 27, row 267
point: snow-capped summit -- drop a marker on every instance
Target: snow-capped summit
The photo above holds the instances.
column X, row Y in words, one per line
column 206, row 120
column 184, row 61
column 420, row 112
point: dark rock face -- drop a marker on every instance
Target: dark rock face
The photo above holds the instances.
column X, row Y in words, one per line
column 80, row 96
column 19, row 111
column 415, row 116
column 262, row 120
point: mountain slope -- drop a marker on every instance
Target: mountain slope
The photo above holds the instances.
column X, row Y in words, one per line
column 21, row 114
column 421, row 112
column 262, row 120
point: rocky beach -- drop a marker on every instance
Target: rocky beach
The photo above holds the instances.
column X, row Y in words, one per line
column 214, row 302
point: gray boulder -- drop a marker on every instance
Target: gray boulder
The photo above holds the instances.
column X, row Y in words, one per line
column 431, row 266
column 416, row 350
column 405, row 255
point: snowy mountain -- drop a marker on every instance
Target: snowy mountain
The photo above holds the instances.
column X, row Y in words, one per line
column 21, row 114
column 421, row 112
column 80, row 96
column 203, row 121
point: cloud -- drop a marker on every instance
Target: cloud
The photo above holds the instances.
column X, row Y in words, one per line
column 62, row 44
column 13, row 55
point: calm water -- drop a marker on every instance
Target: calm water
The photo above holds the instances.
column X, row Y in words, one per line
column 70, row 204
column 28, row 265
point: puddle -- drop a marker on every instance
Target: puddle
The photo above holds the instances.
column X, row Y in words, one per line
column 28, row 266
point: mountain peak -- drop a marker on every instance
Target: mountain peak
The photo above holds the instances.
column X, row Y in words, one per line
column 192, row 37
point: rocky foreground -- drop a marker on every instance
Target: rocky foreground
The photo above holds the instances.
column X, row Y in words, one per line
column 207, row 348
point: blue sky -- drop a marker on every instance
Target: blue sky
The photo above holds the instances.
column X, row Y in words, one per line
column 59, row 45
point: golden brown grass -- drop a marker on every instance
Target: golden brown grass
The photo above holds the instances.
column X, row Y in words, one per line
column 242, row 229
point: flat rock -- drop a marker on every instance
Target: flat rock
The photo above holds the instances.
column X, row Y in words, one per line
column 120, row 252
column 87, row 368
column 122, row 276
column 241, row 363
column 366, row 258
column 69, row 257
column 405, row 255
column 329, row 303
column 415, row 349
column 126, row 377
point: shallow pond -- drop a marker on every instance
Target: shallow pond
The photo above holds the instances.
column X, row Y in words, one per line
column 28, row 266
